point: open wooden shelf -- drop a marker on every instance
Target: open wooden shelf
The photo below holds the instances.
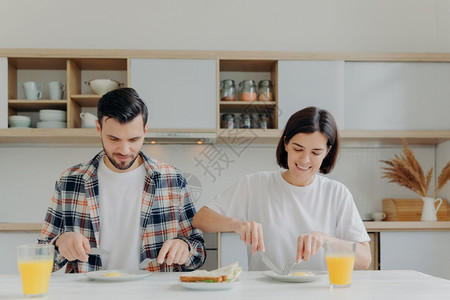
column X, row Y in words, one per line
column 33, row 105
column 86, row 100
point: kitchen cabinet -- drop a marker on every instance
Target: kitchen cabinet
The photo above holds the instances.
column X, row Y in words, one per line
column 397, row 96
column 426, row 252
column 257, row 70
column 179, row 93
column 3, row 92
column 72, row 71
column 343, row 83
column 310, row 83
column 232, row 249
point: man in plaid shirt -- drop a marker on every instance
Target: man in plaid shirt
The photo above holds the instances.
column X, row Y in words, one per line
column 126, row 203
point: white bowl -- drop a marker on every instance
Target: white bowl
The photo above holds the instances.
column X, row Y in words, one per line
column 51, row 124
column 52, row 115
column 102, row 86
column 19, row 121
column 20, row 118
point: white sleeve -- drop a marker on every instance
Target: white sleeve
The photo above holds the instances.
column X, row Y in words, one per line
column 350, row 226
column 233, row 202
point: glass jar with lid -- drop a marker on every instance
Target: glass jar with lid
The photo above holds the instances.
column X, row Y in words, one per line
column 227, row 90
column 265, row 90
column 247, row 90
column 227, row 121
column 246, row 121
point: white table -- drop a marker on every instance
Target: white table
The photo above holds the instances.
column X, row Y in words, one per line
column 366, row 285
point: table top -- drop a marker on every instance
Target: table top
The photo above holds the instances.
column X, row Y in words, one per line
column 386, row 284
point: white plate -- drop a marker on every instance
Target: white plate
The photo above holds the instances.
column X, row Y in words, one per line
column 126, row 275
column 313, row 275
column 51, row 124
column 210, row 286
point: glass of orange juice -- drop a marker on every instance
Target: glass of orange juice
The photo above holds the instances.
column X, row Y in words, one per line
column 340, row 258
column 35, row 267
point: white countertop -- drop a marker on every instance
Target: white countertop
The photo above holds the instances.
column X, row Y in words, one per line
column 398, row 285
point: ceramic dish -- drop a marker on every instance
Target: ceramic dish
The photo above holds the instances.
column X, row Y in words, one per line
column 102, row 86
column 312, row 276
column 51, row 124
column 118, row 275
column 52, row 115
column 18, row 121
column 210, row 286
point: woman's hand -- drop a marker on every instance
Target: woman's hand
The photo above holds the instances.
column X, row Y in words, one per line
column 309, row 244
column 251, row 233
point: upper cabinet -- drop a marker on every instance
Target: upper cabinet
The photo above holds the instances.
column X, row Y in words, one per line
column 397, row 96
column 310, row 83
column 179, row 93
column 72, row 72
column 248, row 95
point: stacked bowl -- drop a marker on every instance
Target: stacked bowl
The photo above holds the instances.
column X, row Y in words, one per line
column 52, row 118
column 19, row 122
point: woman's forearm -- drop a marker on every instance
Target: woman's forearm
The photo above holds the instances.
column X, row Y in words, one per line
column 208, row 220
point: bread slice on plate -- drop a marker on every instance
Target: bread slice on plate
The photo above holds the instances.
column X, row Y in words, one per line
column 225, row 274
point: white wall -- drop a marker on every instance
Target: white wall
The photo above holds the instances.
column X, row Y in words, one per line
column 28, row 174
column 283, row 25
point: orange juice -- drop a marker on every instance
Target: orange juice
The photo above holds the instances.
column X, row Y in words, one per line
column 340, row 269
column 35, row 275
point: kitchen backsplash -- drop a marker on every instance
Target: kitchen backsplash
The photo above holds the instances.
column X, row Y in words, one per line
column 28, row 174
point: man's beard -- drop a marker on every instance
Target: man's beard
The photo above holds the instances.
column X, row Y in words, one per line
column 116, row 164
column 120, row 166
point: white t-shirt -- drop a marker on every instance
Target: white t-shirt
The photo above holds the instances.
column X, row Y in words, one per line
column 287, row 211
column 120, row 215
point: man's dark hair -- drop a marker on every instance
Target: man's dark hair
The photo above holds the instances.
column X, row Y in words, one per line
column 123, row 105
column 310, row 120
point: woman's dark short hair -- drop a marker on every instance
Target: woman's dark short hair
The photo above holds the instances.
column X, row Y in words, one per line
column 123, row 105
column 310, row 120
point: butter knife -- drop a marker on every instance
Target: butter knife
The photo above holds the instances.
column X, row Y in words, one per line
column 98, row 251
column 145, row 263
column 270, row 264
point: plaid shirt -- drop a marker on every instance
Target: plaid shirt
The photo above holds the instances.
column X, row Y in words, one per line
column 166, row 213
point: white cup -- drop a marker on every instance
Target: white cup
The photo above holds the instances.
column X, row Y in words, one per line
column 87, row 120
column 32, row 90
column 56, row 90
column 378, row 216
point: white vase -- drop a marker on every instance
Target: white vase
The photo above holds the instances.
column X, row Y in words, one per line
column 429, row 211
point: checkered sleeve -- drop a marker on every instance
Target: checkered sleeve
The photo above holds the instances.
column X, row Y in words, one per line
column 53, row 226
column 189, row 234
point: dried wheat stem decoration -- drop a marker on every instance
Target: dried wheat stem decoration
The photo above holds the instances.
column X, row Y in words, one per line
column 443, row 178
column 406, row 171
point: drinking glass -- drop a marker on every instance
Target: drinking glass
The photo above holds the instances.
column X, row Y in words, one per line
column 340, row 258
column 35, row 266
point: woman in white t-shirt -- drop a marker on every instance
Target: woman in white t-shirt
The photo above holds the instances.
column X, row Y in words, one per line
column 290, row 214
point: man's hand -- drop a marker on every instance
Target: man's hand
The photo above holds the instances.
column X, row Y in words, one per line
column 73, row 246
column 309, row 244
column 174, row 251
column 251, row 233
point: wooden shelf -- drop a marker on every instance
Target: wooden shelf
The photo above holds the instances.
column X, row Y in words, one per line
column 35, row 105
column 50, row 136
column 229, row 136
column 86, row 100
column 407, row 226
column 247, row 106
column 252, row 65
